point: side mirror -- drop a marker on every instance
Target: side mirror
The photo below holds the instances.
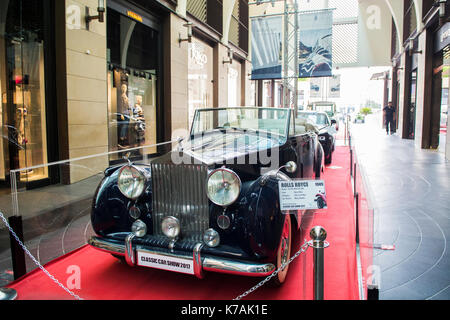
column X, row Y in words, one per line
column 335, row 124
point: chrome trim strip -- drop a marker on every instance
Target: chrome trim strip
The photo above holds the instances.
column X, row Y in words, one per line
column 212, row 264
column 106, row 246
column 238, row 268
column 129, row 252
column 198, row 267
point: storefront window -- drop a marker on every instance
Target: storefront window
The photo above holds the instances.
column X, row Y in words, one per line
column 411, row 112
column 22, row 83
column 267, row 93
column 443, row 126
column 278, row 101
column 200, row 77
column 234, row 85
column 132, row 84
column 253, row 91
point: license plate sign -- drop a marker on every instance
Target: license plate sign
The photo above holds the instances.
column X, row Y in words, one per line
column 159, row 261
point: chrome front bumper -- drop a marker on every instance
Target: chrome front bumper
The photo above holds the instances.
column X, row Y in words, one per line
column 201, row 263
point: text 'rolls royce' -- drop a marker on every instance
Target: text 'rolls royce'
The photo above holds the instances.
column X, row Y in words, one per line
column 212, row 203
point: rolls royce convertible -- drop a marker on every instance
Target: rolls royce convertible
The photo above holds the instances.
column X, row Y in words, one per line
column 212, row 203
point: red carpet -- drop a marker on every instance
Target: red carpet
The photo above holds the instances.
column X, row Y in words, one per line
column 102, row 277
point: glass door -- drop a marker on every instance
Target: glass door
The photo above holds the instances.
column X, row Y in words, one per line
column 411, row 112
column 200, row 77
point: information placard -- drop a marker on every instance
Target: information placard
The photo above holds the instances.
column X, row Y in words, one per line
column 302, row 195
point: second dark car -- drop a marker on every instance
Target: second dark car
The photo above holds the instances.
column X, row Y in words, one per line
column 326, row 131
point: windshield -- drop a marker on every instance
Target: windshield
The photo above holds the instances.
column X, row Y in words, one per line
column 316, row 118
column 259, row 120
column 325, row 108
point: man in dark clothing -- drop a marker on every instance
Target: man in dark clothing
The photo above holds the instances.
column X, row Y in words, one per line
column 389, row 113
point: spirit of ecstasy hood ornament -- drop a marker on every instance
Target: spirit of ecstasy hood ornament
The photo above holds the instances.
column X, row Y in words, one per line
column 127, row 157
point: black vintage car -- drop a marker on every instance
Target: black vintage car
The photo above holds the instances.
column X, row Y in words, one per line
column 326, row 131
column 212, row 203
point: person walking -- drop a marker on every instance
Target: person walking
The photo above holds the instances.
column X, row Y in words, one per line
column 389, row 113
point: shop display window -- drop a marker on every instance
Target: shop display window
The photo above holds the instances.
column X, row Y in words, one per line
column 131, row 110
column 132, row 84
column 23, row 95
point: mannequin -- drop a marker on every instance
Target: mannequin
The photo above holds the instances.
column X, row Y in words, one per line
column 124, row 114
column 22, row 115
column 138, row 114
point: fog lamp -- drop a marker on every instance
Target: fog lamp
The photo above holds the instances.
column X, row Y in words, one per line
column 134, row 212
column 171, row 227
column 211, row 238
column 139, row 228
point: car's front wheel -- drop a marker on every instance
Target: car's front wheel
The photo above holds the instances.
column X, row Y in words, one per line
column 284, row 252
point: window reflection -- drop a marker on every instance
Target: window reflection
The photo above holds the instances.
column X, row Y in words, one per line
column 200, row 77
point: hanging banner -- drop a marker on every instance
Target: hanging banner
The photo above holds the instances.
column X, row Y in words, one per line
column 316, row 90
column 334, row 87
column 316, row 40
column 267, row 48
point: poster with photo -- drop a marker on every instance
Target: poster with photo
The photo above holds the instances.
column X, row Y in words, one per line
column 334, row 87
column 315, row 88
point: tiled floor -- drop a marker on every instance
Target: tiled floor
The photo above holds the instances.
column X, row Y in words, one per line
column 411, row 190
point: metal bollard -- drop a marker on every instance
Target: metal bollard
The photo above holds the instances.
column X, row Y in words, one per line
column 318, row 236
column 351, row 162
column 357, row 215
column 17, row 253
column 7, row 294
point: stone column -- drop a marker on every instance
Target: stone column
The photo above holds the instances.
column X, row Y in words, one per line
column 86, row 90
column 424, row 90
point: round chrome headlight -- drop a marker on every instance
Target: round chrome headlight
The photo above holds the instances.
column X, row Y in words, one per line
column 131, row 182
column 171, row 227
column 223, row 187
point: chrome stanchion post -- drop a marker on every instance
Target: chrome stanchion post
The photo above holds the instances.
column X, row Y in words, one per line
column 357, row 215
column 318, row 236
column 8, row 294
column 351, row 162
column 17, row 252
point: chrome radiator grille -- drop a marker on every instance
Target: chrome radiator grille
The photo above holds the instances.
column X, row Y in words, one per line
column 180, row 191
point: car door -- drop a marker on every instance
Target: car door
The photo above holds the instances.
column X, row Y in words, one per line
column 300, row 148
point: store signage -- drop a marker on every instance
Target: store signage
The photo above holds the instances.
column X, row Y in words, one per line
column 302, row 195
column 145, row 259
column 134, row 16
column 73, row 17
column 442, row 38
column 197, row 55
column 233, row 73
